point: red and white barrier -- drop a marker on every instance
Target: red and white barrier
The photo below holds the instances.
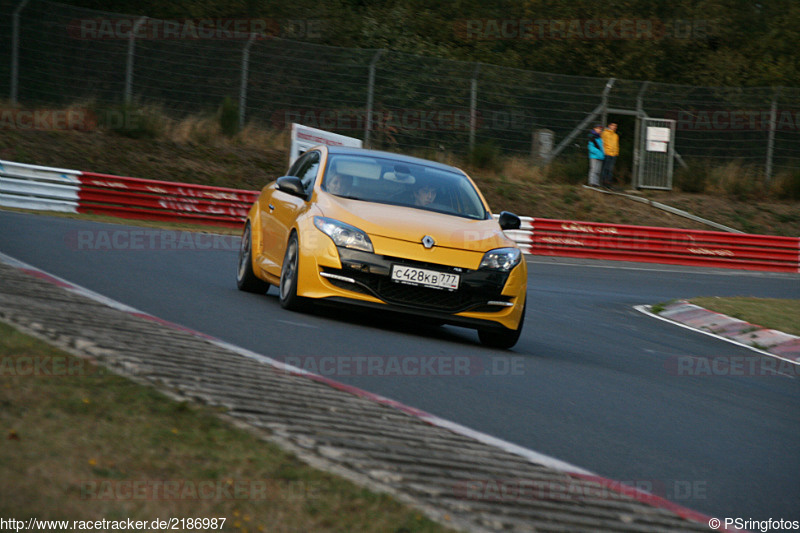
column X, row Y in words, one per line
column 54, row 189
column 620, row 242
column 44, row 188
column 165, row 201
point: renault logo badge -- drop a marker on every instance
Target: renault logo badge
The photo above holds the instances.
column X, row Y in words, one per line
column 428, row 242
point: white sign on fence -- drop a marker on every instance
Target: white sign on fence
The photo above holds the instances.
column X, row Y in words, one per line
column 304, row 137
column 656, row 146
column 658, row 134
column 655, row 153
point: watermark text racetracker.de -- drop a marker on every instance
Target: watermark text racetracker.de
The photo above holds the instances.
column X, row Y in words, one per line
column 123, row 28
column 730, row 365
column 47, row 120
column 396, row 120
column 48, row 366
column 72, row 119
column 261, row 489
column 147, row 240
column 736, row 120
column 519, row 490
column 406, row 365
column 544, row 29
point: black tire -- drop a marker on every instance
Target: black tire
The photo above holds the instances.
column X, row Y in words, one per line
column 246, row 279
column 505, row 338
column 287, row 289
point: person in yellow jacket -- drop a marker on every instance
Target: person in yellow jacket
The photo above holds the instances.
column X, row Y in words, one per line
column 611, row 149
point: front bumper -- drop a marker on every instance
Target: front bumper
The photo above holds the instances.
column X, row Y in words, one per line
column 369, row 273
column 484, row 299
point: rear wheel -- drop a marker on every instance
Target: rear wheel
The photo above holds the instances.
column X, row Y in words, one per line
column 289, row 274
column 505, row 338
column 246, row 279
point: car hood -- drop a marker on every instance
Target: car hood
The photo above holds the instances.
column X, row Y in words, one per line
column 411, row 225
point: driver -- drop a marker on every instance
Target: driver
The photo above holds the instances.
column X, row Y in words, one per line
column 424, row 195
column 338, row 184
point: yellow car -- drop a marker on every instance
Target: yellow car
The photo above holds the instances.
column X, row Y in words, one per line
column 381, row 230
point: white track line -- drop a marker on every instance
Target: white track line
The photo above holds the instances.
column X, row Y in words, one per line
column 646, row 310
column 533, row 456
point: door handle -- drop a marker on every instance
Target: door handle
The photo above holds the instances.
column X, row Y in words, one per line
column 271, row 207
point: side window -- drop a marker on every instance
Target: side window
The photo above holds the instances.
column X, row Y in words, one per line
column 307, row 171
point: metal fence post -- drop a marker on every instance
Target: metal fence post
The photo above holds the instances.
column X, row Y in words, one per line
column 129, row 65
column 640, row 99
column 473, row 107
column 370, row 94
column 640, row 114
column 15, row 51
column 773, row 119
column 243, row 86
column 609, row 85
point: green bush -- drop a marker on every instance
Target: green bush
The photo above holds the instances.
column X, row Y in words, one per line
column 739, row 181
column 132, row 120
column 570, row 196
column 572, row 170
column 228, row 115
column 742, row 188
column 732, row 178
column 485, row 155
column 788, row 186
column 692, row 179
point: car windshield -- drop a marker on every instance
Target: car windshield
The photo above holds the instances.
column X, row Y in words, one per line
column 388, row 181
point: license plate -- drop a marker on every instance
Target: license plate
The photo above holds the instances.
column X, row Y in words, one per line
column 427, row 278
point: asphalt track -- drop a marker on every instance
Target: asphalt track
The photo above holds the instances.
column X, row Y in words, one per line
column 591, row 382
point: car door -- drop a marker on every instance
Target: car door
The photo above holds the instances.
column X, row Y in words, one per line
column 280, row 209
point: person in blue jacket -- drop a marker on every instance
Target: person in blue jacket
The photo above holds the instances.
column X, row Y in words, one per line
column 596, row 155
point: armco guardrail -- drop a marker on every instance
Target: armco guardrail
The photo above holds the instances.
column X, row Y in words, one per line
column 568, row 238
column 41, row 188
column 44, row 188
column 54, row 189
column 159, row 200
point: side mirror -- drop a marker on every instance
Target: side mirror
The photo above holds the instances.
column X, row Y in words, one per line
column 509, row 221
column 291, row 185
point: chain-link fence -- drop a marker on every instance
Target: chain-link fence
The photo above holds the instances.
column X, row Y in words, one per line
column 59, row 55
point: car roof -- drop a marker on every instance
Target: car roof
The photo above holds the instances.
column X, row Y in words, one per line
column 347, row 150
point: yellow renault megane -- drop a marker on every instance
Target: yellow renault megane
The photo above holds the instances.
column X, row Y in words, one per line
column 370, row 228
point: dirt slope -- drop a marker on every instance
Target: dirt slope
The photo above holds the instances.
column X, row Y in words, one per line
column 247, row 165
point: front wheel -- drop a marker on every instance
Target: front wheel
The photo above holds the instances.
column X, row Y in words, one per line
column 289, row 275
column 246, row 279
column 505, row 338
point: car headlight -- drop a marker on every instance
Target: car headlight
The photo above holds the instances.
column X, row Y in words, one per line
column 503, row 259
column 343, row 234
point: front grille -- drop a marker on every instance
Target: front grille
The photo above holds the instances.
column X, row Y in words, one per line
column 372, row 277
column 441, row 300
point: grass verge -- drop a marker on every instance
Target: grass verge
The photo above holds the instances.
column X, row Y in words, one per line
column 84, row 444
column 772, row 313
